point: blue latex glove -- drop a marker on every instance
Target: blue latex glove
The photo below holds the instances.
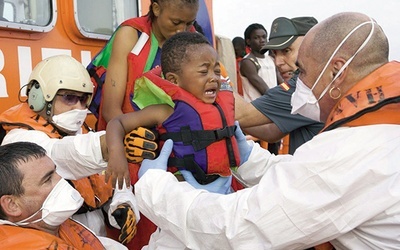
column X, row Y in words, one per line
column 222, row 185
column 244, row 147
column 160, row 162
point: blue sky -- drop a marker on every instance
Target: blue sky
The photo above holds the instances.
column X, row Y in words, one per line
column 231, row 17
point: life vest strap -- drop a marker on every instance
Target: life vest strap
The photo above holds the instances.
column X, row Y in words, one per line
column 188, row 163
column 199, row 139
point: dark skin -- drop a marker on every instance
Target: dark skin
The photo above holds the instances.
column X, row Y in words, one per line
column 199, row 75
column 170, row 17
column 255, row 123
column 248, row 69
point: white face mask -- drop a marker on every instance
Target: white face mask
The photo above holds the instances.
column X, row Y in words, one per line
column 61, row 203
column 71, row 120
column 303, row 100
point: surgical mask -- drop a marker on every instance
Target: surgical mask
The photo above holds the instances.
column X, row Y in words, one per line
column 303, row 100
column 61, row 203
column 71, row 120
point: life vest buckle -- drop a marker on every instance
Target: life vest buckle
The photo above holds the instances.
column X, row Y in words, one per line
column 224, row 132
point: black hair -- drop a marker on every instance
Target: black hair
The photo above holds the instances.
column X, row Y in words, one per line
column 239, row 41
column 162, row 3
column 239, row 45
column 198, row 28
column 251, row 28
column 175, row 48
column 11, row 156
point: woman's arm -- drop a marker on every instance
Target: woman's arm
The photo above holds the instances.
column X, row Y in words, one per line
column 117, row 72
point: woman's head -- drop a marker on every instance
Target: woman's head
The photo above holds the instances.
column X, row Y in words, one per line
column 169, row 17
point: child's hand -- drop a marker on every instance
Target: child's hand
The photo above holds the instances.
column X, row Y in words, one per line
column 117, row 169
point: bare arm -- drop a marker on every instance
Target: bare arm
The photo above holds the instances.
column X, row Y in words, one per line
column 249, row 70
column 117, row 72
column 255, row 123
column 118, row 127
column 103, row 146
column 267, row 132
column 247, row 114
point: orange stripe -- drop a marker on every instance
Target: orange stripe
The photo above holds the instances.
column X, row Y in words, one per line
column 285, row 86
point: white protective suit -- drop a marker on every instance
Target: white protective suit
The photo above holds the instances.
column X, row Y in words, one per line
column 76, row 157
column 342, row 186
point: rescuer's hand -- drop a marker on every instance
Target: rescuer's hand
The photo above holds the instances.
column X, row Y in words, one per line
column 244, row 147
column 126, row 219
column 161, row 162
column 222, row 185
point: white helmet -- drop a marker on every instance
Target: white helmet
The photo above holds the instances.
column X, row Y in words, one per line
column 55, row 73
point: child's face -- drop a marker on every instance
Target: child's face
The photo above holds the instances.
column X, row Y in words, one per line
column 200, row 73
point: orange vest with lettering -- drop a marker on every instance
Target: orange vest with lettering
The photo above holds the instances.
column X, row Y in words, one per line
column 373, row 100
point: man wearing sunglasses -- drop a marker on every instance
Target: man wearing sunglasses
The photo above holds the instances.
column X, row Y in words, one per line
column 59, row 91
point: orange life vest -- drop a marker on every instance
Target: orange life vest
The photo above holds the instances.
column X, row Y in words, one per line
column 72, row 236
column 93, row 189
column 373, row 100
column 198, row 129
column 137, row 64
